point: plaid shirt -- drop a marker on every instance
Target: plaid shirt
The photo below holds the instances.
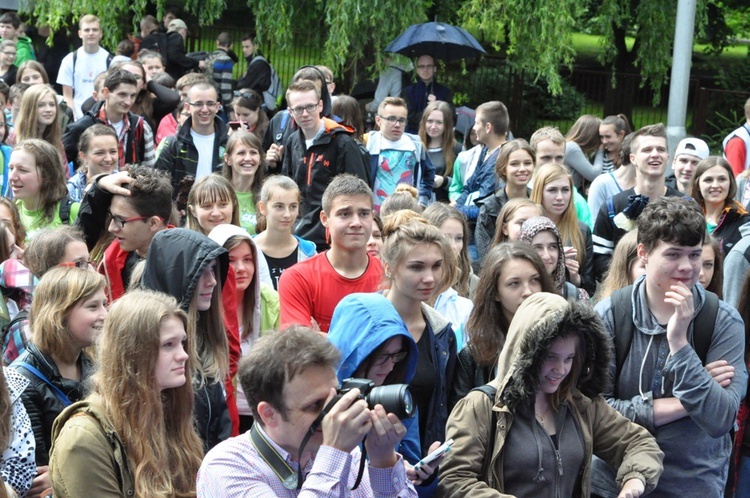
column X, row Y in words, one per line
column 149, row 151
column 234, row 468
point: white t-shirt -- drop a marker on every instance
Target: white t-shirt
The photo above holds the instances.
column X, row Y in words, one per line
column 205, row 146
column 87, row 68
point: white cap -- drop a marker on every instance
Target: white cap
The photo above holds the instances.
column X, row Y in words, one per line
column 692, row 147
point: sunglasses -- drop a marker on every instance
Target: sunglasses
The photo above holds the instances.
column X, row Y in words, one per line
column 254, row 101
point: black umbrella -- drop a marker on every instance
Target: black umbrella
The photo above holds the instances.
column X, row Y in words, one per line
column 441, row 41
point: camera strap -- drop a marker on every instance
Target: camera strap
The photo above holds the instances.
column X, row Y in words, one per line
column 279, row 466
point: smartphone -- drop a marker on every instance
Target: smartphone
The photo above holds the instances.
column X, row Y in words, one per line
column 446, row 446
column 236, row 125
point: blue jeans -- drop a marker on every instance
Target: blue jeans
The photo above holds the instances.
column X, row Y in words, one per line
column 743, row 478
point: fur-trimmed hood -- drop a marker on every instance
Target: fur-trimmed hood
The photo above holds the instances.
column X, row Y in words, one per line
column 541, row 319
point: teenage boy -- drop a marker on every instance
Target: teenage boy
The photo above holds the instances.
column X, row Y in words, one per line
column 288, row 379
column 317, row 152
column 397, row 157
column 134, row 135
column 678, row 366
column 618, row 215
column 79, row 68
column 221, row 62
column 690, row 151
column 310, row 290
column 11, row 28
column 138, row 204
column 198, row 147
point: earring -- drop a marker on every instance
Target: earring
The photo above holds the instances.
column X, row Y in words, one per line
column 387, row 275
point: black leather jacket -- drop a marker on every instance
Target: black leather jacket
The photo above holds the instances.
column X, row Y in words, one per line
column 41, row 402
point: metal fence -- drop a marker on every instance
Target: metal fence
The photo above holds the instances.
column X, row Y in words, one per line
column 711, row 112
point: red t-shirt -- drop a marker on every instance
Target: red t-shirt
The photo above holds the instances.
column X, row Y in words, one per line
column 736, row 154
column 312, row 288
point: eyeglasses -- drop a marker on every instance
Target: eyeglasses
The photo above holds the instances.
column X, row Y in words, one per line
column 9, row 53
column 426, row 66
column 394, row 357
column 393, row 120
column 201, row 105
column 299, row 111
column 119, row 221
column 77, row 264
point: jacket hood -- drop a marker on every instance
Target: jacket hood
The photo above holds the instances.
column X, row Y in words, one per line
column 361, row 323
column 221, row 234
column 332, row 127
column 537, row 224
column 176, row 259
column 541, row 319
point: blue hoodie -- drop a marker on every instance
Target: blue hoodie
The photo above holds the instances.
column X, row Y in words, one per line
column 361, row 323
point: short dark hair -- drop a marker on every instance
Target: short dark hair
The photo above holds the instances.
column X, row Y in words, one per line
column 11, row 18
column 116, row 77
column 150, row 192
column 126, row 48
column 224, row 39
column 496, row 114
column 674, row 220
column 247, row 37
column 276, row 359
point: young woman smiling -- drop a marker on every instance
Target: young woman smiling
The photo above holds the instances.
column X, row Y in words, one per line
column 436, row 133
column 714, row 188
column 66, row 318
column 244, row 166
column 98, row 154
column 515, row 166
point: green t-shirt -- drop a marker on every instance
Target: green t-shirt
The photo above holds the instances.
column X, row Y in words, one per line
column 34, row 221
column 248, row 219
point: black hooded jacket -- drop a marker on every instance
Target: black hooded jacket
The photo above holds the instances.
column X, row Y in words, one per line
column 175, row 261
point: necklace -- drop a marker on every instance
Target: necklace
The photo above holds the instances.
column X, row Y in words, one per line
column 540, row 417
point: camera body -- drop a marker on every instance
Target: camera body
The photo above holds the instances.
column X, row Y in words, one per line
column 395, row 398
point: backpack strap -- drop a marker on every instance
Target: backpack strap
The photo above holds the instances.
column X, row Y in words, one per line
column 34, row 371
column 64, row 210
column 285, row 117
column 491, row 392
column 611, row 209
column 704, row 325
column 622, row 318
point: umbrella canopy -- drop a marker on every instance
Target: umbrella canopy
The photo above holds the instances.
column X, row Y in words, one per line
column 441, row 41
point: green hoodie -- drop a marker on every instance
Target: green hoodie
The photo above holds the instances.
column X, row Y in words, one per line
column 24, row 50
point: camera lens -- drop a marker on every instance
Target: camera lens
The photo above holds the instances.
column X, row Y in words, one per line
column 396, row 399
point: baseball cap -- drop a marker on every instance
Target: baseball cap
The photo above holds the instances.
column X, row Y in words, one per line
column 693, row 147
column 176, row 24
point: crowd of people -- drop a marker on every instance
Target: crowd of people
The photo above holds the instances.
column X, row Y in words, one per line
column 204, row 295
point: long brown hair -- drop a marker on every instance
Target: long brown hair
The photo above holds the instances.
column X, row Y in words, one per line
column 623, row 257
column 585, row 132
column 448, row 140
column 52, row 187
column 155, row 426
column 487, row 324
column 705, row 165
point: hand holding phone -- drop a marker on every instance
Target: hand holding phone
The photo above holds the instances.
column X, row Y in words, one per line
column 443, row 448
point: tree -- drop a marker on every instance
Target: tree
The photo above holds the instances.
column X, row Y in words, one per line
column 115, row 15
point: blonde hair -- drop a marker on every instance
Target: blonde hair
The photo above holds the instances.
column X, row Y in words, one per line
column 570, row 231
column 623, row 257
column 506, row 213
column 211, row 188
column 58, row 292
column 404, row 197
column 402, row 232
column 28, row 119
column 156, row 427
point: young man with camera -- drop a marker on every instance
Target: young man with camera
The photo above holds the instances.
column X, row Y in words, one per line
column 286, row 453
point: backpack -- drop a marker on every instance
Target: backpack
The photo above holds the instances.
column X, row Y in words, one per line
column 622, row 305
column 75, row 59
column 64, row 210
column 156, row 42
column 274, row 90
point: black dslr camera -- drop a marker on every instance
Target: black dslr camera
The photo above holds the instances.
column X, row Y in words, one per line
column 395, row 398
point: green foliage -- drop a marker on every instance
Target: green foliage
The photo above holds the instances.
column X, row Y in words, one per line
column 57, row 14
column 537, row 103
column 537, row 35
